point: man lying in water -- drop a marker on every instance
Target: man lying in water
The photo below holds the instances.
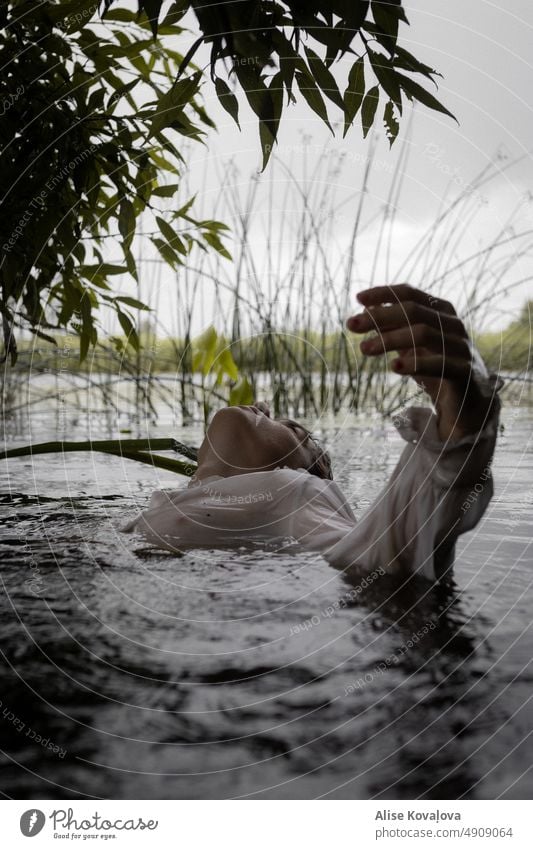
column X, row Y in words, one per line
column 260, row 478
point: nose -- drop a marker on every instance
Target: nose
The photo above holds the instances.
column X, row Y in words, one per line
column 262, row 407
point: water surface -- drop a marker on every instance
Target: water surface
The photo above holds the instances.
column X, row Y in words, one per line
column 131, row 673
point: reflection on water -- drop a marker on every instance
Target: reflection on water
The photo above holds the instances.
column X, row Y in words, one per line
column 130, row 673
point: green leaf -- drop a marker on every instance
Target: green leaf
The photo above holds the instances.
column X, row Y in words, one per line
column 214, row 225
column 404, row 59
column 183, row 210
column 265, row 102
column 152, row 9
column 87, row 334
column 287, row 63
column 124, row 16
column 213, row 240
column 126, row 222
column 338, row 38
column 368, row 109
column 41, row 335
column 100, row 281
column 131, row 302
column 414, row 90
column 203, row 116
column 391, row 124
column 166, row 252
column 204, row 350
column 171, row 236
column 268, row 131
column 387, row 16
column 72, row 16
column 226, row 365
column 96, row 100
column 227, row 99
column 85, row 341
column 324, row 77
column 128, row 329
column 103, row 269
column 386, row 76
column 311, row 93
column 130, row 262
column 241, row 393
column 175, row 13
column 171, row 105
column 166, row 191
column 120, row 92
column 161, row 162
column 353, row 96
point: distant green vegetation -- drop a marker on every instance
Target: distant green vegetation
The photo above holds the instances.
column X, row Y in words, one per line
column 510, row 349
column 309, row 352
column 300, row 373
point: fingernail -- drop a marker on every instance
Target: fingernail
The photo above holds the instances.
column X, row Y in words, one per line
column 353, row 323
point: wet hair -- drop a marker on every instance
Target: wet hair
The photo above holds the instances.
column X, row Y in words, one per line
column 321, row 464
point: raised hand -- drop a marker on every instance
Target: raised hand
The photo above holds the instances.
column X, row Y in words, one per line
column 433, row 346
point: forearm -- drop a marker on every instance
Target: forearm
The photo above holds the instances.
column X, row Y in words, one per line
column 449, row 452
column 464, row 407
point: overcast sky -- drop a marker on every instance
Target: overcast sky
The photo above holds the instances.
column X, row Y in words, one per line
column 483, row 52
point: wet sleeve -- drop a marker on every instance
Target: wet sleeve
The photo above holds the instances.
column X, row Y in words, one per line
column 437, row 491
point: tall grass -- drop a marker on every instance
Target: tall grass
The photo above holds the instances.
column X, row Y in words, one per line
column 282, row 302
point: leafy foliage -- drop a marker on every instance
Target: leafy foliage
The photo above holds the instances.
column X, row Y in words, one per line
column 93, row 115
column 81, row 161
column 269, row 49
column 212, row 357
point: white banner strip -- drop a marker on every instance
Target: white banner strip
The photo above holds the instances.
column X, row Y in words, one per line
column 267, row 824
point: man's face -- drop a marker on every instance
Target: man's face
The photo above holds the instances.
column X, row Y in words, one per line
column 246, row 439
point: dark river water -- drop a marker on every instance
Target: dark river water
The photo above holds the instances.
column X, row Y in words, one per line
column 130, row 673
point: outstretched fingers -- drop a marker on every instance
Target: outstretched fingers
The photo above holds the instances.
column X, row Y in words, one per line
column 432, row 365
column 426, row 331
column 403, row 292
column 405, row 314
column 417, row 336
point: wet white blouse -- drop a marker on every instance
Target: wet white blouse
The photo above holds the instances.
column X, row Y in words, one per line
column 436, row 492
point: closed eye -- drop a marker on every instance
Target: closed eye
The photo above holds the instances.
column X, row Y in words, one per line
column 297, row 429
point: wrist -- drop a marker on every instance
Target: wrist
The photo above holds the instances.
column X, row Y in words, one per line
column 462, row 410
